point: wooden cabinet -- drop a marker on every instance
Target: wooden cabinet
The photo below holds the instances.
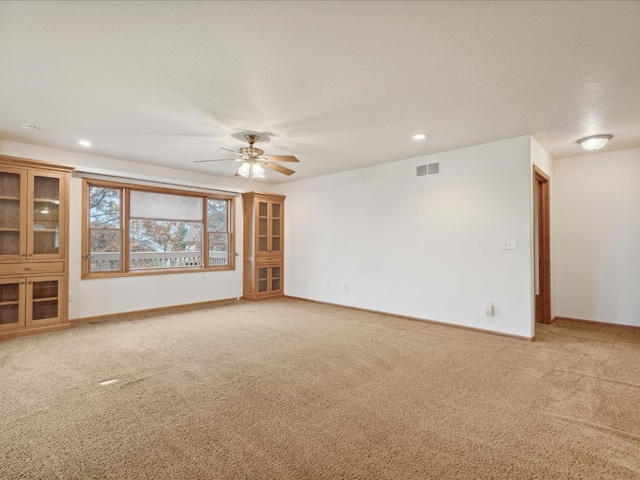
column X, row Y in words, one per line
column 263, row 246
column 33, row 246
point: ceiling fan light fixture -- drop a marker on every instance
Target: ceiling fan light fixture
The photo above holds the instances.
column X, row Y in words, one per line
column 594, row 142
column 255, row 170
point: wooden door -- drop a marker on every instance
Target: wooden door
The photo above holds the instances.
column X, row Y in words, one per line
column 542, row 248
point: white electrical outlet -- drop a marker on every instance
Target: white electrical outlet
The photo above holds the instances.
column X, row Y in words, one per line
column 72, row 297
column 509, row 244
column 488, row 308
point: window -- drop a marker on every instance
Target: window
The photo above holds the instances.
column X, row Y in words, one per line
column 135, row 230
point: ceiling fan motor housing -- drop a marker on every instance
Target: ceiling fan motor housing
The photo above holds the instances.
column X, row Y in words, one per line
column 251, row 152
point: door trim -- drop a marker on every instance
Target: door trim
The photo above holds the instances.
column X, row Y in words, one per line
column 543, row 300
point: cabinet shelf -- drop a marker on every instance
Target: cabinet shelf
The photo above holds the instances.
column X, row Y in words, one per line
column 47, row 299
column 12, row 302
column 9, row 229
column 10, row 198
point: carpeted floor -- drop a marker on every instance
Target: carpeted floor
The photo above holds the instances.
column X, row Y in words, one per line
column 287, row 389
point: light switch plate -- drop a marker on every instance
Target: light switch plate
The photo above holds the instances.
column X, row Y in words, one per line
column 509, row 244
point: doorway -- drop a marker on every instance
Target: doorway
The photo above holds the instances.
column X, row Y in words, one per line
column 542, row 248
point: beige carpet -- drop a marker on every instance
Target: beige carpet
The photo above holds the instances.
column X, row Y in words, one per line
column 288, row 389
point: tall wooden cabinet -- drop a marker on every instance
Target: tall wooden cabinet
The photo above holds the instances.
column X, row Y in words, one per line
column 33, row 246
column 263, row 246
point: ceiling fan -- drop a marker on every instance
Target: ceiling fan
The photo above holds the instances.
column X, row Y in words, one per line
column 254, row 161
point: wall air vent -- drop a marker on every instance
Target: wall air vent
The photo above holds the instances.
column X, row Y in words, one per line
column 428, row 169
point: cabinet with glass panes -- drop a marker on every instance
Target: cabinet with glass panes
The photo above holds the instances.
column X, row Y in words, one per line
column 33, row 251
column 263, row 245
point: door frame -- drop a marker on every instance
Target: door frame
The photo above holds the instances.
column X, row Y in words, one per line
column 542, row 301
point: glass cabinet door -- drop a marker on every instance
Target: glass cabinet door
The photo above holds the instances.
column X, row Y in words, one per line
column 44, row 297
column 263, row 280
column 11, row 304
column 262, row 243
column 269, row 279
column 46, row 216
column 276, row 283
column 275, row 230
column 269, row 227
column 12, row 194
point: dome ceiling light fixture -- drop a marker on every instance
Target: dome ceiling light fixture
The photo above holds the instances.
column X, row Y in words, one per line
column 594, row 142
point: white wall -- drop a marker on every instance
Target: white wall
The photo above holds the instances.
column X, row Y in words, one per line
column 540, row 158
column 596, row 237
column 97, row 297
column 429, row 247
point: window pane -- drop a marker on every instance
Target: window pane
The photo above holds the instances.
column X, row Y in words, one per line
column 164, row 244
column 164, row 206
column 218, row 249
column 104, row 208
column 105, row 250
column 217, row 215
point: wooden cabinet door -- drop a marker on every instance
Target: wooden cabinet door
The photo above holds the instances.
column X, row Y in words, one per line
column 268, row 280
column 269, row 227
column 44, row 300
column 276, row 220
column 12, row 305
column 13, row 213
column 45, row 218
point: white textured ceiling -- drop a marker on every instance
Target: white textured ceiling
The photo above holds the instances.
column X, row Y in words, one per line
column 340, row 85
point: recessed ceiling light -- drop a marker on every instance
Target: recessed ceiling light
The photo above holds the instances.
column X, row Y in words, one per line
column 594, row 142
column 84, row 143
column 419, row 136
